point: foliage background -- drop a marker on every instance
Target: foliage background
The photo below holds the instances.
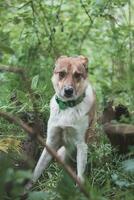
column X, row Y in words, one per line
column 33, row 34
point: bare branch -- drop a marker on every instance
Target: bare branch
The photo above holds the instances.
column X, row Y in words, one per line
column 22, row 73
column 30, row 131
column 4, row 68
column 86, row 11
column 17, row 121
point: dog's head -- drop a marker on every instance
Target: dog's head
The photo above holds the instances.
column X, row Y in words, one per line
column 70, row 77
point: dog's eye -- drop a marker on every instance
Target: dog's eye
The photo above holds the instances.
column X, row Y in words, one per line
column 77, row 75
column 62, row 74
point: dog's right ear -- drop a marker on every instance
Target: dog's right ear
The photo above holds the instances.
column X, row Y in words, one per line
column 84, row 61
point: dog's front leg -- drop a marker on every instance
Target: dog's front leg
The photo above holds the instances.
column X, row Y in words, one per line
column 53, row 141
column 81, row 160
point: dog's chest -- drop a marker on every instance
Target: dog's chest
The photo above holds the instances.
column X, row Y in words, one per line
column 73, row 118
column 73, row 122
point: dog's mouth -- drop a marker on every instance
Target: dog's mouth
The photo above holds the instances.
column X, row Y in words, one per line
column 68, row 96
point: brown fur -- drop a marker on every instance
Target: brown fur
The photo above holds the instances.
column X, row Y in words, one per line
column 90, row 134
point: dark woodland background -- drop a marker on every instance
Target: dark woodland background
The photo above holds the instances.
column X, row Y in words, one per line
column 32, row 35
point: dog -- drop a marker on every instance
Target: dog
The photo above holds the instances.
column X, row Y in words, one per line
column 72, row 112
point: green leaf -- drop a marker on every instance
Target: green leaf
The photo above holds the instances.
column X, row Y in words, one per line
column 122, row 183
column 128, row 165
column 6, row 48
column 38, row 195
column 22, row 175
column 34, row 82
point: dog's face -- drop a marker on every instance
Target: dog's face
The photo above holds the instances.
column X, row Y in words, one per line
column 70, row 77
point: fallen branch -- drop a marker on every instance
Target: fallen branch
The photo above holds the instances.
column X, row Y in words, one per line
column 119, row 128
column 120, row 135
column 30, row 131
column 4, row 68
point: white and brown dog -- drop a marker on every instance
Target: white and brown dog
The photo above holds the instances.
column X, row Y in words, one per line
column 72, row 110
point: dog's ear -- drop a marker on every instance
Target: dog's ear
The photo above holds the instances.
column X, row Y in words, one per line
column 60, row 57
column 84, row 61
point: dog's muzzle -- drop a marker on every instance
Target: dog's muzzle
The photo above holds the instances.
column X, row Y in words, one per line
column 68, row 91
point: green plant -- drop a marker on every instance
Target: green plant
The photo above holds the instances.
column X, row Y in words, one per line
column 32, row 35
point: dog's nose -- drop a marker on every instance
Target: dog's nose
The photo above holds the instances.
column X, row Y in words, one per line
column 68, row 91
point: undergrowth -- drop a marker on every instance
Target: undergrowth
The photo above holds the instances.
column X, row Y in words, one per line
column 32, row 35
column 106, row 176
column 109, row 175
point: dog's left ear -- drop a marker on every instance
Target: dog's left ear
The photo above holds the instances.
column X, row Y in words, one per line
column 84, row 61
column 56, row 60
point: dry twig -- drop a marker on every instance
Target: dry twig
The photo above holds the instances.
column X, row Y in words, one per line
column 30, row 131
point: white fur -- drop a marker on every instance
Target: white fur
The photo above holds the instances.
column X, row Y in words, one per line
column 67, row 127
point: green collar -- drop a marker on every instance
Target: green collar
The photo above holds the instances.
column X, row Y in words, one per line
column 66, row 104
